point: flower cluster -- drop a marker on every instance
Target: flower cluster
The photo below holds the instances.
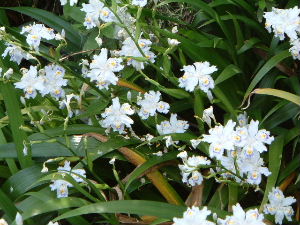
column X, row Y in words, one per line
column 238, row 149
column 102, row 69
column 279, row 206
column 150, row 104
column 35, row 32
column 16, row 53
column 194, row 216
column 61, row 186
column 172, row 126
column 285, row 22
column 198, row 75
column 95, row 13
column 191, row 166
column 49, row 80
column 115, row 116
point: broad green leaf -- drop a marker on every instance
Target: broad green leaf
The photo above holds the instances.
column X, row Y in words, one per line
column 7, row 206
column 278, row 93
column 227, row 73
column 270, row 64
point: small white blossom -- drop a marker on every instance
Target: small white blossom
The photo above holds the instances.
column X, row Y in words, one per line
column 8, row 73
column 3, row 222
column 169, row 141
column 208, row 114
column 199, row 75
column 129, row 49
column 51, row 223
column 279, row 206
column 140, row 3
column 66, row 103
column 295, row 49
column 220, row 138
column 173, row 42
column 159, row 153
column 16, row 53
column 61, row 186
column 240, row 217
column 194, row 216
column 34, row 34
column 283, row 21
column 30, row 82
column 99, row 41
column 19, row 219
column 172, row 126
column 151, row 103
column 112, row 161
column 115, row 116
column 175, row 30
column 72, row 2
column 195, row 142
column 102, row 69
column 242, row 119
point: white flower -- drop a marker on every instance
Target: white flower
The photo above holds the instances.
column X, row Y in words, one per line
column 112, row 161
column 8, row 73
column 63, row 2
column 115, row 116
column 283, row 21
column 35, row 33
column 208, row 114
column 175, row 30
column 66, row 103
column 51, row 223
column 193, row 216
column 190, row 167
column 220, row 138
column 92, row 10
column 242, row 119
column 198, row 74
column 151, row 103
column 240, row 217
column 30, row 83
column 195, row 142
column 16, row 53
column 295, row 49
column 19, row 219
column 99, row 41
column 172, row 126
column 173, row 42
column 102, row 70
column 251, row 139
column 169, row 141
column 129, row 49
column 279, row 206
column 159, row 153
column 61, row 186
column 254, row 169
column 3, row 222
column 140, row 3
column 73, row 2
column 53, row 81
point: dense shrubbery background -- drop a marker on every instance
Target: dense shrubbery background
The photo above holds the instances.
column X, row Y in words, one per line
column 133, row 177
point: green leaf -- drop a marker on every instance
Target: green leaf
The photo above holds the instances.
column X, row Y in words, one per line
column 150, row 163
column 14, row 112
column 228, row 72
column 275, row 156
column 278, row 93
column 7, row 206
column 271, row 63
column 51, row 20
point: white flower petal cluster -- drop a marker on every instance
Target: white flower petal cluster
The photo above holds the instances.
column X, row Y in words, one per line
column 3, row 222
column 220, row 138
column 194, row 216
column 198, row 75
column 115, row 116
column 50, row 81
column 295, row 49
column 208, row 115
column 61, row 186
column 35, row 32
column 129, row 49
column 140, row 3
column 191, row 166
column 238, row 149
column 283, row 21
column 102, row 69
column 95, row 13
column 30, row 82
column 16, row 53
column 72, row 2
column 240, row 217
column 66, row 103
column 151, row 103
column 173, row 42
column 172, row 126
column 279, row 206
